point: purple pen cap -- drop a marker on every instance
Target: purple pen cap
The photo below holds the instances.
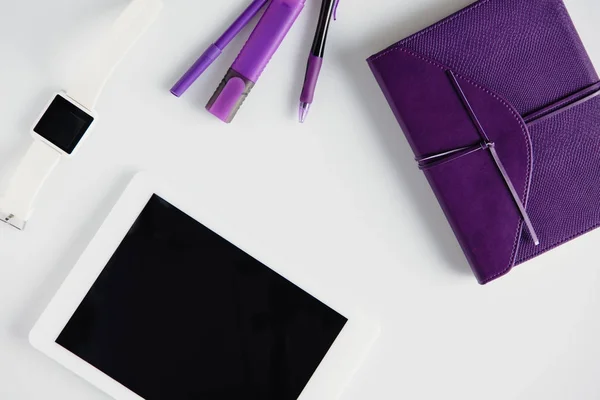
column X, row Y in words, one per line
column 229, row 96
column 207, row 58
column 215, row 49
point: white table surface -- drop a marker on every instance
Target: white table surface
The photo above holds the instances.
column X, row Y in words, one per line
column 338, row 200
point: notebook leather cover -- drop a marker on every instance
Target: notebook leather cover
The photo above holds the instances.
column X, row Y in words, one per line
column 499, row 104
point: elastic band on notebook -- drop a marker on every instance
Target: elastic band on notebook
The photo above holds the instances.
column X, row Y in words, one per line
column 448, row 156
column 563, row 105
column 485, row 144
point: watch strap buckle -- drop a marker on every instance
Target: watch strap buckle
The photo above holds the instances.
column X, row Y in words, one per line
column 12, row 220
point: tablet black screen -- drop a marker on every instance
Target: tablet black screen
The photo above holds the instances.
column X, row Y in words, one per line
column 180, row 313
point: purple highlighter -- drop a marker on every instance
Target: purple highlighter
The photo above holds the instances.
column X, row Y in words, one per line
column 215, row 49
column 254, row 57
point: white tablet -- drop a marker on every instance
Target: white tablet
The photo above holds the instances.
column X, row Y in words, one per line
column 160, row 306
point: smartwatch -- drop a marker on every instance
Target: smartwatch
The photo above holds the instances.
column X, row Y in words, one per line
column 69, row 116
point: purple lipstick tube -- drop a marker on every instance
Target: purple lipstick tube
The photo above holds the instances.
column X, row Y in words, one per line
column 254, row 57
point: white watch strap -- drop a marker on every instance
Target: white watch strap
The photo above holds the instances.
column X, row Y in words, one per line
column 106, row 55
column 25, row 184
column 17, row 204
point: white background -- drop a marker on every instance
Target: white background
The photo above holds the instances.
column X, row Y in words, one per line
column 337, row 201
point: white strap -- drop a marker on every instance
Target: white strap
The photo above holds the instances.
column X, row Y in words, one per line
column 25, row 184
column 106, row 55
column 17, row 204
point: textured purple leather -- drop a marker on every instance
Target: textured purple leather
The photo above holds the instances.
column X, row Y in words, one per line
column 563, row 104
column 513, row 58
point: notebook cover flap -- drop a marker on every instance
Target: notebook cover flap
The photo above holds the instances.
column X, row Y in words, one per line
column 470, row 189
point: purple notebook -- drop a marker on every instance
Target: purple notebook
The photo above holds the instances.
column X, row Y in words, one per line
column 499, row 104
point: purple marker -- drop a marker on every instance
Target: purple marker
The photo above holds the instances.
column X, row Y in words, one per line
column 254, row 57
column 215, row 49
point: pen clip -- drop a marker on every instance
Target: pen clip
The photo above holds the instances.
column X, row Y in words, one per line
column 335, row 9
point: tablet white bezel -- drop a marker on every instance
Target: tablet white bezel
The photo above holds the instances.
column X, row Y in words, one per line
column 330, row 378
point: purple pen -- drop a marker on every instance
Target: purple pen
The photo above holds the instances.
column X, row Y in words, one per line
column 254, row 57
column 215, row 49
column 315, row 59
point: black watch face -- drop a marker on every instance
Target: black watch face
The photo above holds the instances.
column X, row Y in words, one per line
column 63, row 124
